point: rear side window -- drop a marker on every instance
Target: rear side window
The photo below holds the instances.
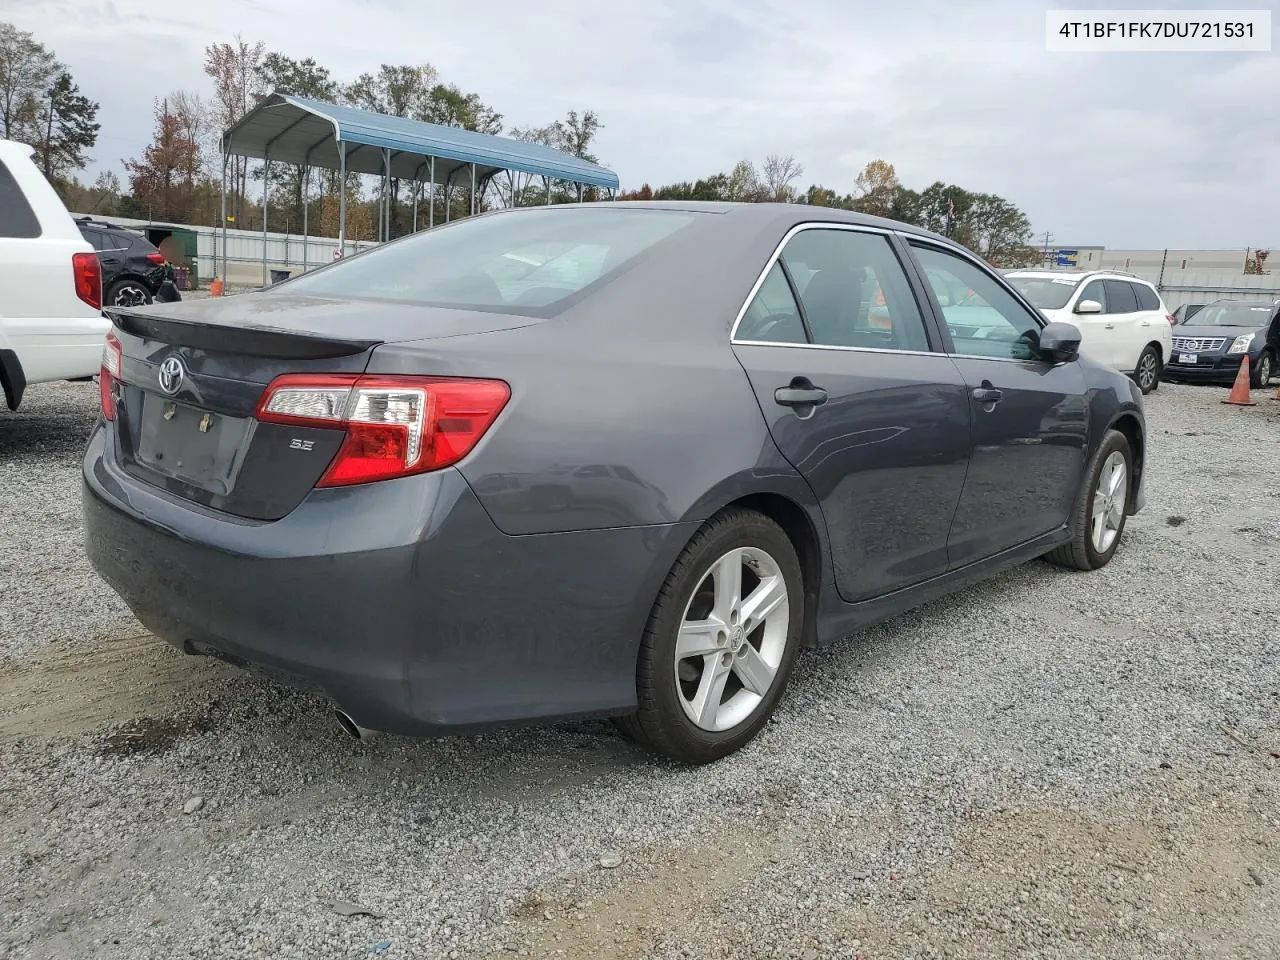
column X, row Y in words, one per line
column 1120, row 297
column 526, row 261
column 854, row 291
column 1147, row 299
column 773, row 316
column 17, row 219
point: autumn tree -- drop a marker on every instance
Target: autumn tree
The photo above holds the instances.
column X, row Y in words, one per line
column 165, row 178
column 779, row 175
column 27, row 71
column 745, row 185
column 236, row 72
column 876, row 188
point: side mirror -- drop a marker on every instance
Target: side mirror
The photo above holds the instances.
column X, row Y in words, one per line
column 1088, row 306
column 1060, row 342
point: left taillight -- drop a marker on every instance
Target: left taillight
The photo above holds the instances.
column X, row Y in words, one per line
column 395, row 426
column 88, row 274
column 109, row 376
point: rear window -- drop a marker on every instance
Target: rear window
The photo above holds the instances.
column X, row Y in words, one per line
column 17, row 219
column 522, row 261
column 1147, row 299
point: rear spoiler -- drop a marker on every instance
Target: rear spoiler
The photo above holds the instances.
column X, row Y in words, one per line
column 229, row 338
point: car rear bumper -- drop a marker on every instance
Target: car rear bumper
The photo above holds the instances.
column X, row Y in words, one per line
column 399, row 600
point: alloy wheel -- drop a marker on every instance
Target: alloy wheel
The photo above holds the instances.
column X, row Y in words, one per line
column 1147, row 371
column 130, row 295
column 1110, row 497
column 732, row 639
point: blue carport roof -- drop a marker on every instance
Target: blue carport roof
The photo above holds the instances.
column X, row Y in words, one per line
column 297, row 130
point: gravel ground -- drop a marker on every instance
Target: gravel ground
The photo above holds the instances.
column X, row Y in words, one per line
column 1049, row 765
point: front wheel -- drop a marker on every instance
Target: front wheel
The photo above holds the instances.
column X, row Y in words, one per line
column 720, row 641
column 1147, row 372
column 1262, row 373
column 1101, row 508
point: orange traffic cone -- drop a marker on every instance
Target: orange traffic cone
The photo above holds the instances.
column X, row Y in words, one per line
column 215, row 287
column 1239, row 395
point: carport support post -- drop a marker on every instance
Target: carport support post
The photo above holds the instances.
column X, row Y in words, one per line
column 548, row 179
column 431, row 195
column 342, row 197
column 266, row 192
column 579, row 193
column 473, row 189
column 306, row 209
column 223, row 191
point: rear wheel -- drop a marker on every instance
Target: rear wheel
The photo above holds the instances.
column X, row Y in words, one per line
column 1147, row 373
column 1101, row 508
column 1262, row 373
column 128, row 293
column 720, row 642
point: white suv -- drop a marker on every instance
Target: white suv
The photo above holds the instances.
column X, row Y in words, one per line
column 1123, row 322
column 51, row 322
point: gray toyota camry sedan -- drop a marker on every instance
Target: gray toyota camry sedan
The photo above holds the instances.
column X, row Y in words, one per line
column 616, row 460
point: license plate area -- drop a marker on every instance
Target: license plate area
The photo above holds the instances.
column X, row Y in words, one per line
column 1191, row 358
column 197, row 447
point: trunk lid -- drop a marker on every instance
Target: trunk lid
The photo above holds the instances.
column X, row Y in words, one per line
column 193, row 373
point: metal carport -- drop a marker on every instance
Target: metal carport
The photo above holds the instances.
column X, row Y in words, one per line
column 312, row 133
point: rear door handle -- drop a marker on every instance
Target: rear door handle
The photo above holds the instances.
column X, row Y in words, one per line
column 1109, row 326
column 800, row 393
column 988, row 395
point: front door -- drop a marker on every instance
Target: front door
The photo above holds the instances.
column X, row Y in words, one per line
column 862, row 401
column 1099, row 338
column 1029, row 416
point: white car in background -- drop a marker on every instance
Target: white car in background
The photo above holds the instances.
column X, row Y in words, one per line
column 51, row 322
column 1122, row 319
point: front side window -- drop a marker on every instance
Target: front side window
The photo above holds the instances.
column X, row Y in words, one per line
column 984, row 319
column 521, row 261
column 853, row 291
column 1096, row 292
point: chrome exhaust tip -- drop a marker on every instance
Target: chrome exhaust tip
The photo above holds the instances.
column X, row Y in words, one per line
column 351, row 728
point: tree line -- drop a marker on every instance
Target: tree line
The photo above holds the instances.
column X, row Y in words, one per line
column 177, row 176
column 987, row 224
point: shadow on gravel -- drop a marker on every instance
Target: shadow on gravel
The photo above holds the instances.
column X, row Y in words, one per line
column 54, row 420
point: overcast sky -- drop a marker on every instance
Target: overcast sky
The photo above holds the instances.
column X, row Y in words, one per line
column 1122, row 149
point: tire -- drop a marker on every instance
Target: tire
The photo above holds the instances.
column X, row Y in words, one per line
column 1082, row 552
column 1261, row 373
column 1146, row 373
column 670, row 692
column 128, row 293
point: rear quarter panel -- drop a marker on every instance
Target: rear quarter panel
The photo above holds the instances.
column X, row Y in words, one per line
column 54, row 333
column 628, row 409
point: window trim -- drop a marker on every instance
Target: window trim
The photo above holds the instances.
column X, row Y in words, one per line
column 911, row 241
column 931, row 332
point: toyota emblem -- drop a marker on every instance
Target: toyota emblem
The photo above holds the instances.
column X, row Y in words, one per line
column 171, row 375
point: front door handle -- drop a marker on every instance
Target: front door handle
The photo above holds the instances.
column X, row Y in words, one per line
column 800, row 393
column 988, row 394
column 1109, row 326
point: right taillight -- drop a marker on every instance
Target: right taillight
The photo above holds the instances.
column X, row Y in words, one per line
column 109, row 376
column 88, row 274
column 395, row 426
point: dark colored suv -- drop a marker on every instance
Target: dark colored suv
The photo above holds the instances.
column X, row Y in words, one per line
column 132, row 267
column 1210, row 347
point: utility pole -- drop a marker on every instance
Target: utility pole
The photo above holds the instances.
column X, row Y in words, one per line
column 1047, row 237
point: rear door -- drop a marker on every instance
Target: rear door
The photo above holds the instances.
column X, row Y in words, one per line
column 862, row 401
column 1122, row 319
column 1029, row 415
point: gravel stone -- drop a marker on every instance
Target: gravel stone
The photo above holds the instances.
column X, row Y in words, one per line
column 1019, row 832
column 192, row 805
